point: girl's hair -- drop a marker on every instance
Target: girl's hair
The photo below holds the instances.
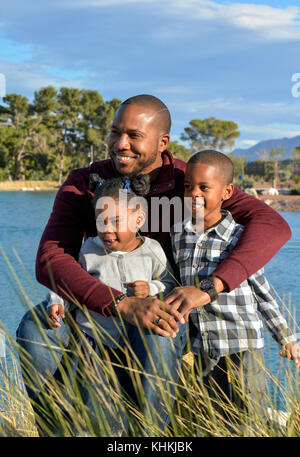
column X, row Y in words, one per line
column 139, row 186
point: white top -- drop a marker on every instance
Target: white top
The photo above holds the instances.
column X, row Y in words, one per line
column 115, row 268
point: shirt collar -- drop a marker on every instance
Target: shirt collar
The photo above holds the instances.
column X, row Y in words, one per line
column 163, row 183
column 165, row 180
column 224, row 229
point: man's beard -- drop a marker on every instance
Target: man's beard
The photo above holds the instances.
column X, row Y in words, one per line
column 138, row 169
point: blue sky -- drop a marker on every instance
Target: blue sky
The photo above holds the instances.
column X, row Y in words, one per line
column 233, row 60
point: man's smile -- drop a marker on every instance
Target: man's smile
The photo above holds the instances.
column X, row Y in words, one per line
column 123, row 158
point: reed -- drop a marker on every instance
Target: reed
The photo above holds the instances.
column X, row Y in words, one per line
column 64, row 410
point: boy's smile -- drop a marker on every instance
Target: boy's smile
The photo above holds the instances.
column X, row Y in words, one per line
column 203, row 180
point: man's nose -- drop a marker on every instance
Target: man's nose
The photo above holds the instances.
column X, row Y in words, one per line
column 122, row 142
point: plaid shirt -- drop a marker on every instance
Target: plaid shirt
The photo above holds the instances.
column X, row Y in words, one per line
column 232, row 323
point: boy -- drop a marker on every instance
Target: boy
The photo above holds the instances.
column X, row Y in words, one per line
column 229, row 329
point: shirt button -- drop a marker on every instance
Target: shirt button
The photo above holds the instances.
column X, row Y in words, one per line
column 199, row 244
column 195, row 265
column 205, row 334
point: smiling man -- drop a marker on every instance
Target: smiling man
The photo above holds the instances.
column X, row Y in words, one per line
column 137, row 143
column 140, row 133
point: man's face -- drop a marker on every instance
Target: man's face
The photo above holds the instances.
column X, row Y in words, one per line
column 135, row 142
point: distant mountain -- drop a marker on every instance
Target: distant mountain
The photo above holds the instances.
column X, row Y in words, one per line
column 287, row 143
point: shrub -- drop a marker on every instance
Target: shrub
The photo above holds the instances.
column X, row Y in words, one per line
column 295, row 191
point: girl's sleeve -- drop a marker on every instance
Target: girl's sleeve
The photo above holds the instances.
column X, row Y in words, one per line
column 163, row 280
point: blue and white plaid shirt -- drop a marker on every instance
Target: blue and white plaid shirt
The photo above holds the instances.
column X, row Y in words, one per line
column 234, row 322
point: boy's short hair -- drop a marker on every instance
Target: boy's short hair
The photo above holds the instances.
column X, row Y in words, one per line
column 216, row 159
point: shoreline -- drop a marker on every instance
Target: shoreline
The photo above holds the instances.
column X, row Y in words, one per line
column 288, row 203
column 28, row 186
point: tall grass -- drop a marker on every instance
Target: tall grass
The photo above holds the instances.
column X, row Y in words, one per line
column 63, row 408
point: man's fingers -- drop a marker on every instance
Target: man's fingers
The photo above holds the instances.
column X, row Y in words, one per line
column 160, row 331
column 173, row 310
column 168, row 323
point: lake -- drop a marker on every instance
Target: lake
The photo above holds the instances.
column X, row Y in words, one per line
column 23, row 218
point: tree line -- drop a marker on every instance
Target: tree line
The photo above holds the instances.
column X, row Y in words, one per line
column 67, row 128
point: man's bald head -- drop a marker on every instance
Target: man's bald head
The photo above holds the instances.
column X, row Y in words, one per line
column 161, row 113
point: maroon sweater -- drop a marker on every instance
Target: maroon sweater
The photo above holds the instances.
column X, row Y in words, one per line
column 72, row 218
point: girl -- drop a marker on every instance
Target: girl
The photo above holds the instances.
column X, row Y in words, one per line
column 119, row 256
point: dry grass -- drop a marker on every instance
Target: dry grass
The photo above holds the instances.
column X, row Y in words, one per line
column 28, row 185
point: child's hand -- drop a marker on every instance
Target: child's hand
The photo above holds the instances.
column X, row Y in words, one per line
column 185, row 299
column 53, row 312
column 292, row 351
column 141, row 289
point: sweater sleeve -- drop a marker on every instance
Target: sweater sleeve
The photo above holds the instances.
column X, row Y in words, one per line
column 264, row 234
column 56, row 263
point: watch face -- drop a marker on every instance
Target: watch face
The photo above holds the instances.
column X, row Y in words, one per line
column 206, row 284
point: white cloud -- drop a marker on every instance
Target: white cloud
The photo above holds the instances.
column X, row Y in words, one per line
column 25, row 78
column 246, row 144
column 104, row 3
column 267, row 22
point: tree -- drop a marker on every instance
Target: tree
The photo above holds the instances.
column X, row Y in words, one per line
column 97, row 117
column 239, row 163
column 66, row 123
column 295, row 153
column 211, row 133
column 275, row 155
column 24, row 121
column 179, row 151
column 53, row 133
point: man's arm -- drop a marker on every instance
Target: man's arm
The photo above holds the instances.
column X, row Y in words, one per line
column 264, row 234
column 56, row 264
column 58, row 269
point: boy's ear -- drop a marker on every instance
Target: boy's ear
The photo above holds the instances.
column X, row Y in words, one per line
column 227, row 191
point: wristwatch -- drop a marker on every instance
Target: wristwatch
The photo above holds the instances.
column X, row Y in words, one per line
column 208, row 286
column 115, row 303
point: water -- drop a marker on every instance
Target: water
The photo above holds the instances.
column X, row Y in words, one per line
column 23, row 216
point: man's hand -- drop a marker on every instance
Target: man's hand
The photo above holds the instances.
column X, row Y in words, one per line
column 151, row 313
column 292, row 351
column 141, row 289
column 54, row 311
column 184, row 299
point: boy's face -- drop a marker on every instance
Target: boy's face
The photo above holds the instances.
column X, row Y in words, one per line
column 117, row 225
column 202, row 180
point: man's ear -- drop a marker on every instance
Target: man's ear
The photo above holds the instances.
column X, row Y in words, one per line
column 163, row 142
column 227, row 191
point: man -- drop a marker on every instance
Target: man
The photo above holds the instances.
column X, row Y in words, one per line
column 137, row 143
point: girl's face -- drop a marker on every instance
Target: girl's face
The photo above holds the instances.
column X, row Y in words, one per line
column 117, row 225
